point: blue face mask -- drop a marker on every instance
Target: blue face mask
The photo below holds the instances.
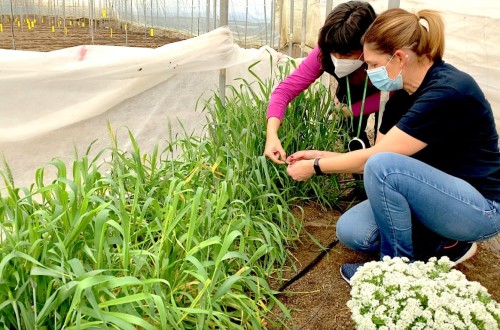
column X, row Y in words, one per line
column 380, row 78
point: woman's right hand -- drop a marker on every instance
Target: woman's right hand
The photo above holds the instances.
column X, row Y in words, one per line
column 273, row 150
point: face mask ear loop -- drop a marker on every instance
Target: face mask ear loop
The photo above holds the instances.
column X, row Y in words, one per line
column 349, row 98
column 362, row 106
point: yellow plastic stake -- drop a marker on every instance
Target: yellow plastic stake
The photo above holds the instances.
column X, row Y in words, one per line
column 104, row 13
column 29, row 25
column 111, row 33
column 53, row 28
column 18, row 23
column 70, row 23
column 152, row 32
column 83, row 24
column 1, row 27
column 65, row 30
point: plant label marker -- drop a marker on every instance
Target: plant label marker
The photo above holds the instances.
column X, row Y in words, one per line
column 53, row 28
column 111, row 33
column 1, row 27
column 152, row 32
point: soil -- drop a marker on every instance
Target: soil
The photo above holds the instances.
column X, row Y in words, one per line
column 318, row 299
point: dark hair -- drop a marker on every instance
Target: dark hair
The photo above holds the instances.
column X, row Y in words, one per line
column 343, row 30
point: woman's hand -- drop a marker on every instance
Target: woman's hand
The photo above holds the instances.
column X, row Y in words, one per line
column 304, row 155
column 301, row 170
column 274, row 151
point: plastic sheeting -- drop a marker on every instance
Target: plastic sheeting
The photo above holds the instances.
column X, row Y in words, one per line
column 472, row 35
column 57, row 103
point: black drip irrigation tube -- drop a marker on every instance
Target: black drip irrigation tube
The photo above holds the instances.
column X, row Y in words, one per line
column 309, row 266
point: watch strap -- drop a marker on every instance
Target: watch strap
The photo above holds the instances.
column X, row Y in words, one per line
column 317, row 169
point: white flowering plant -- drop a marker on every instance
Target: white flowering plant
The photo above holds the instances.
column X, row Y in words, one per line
column 396, row 294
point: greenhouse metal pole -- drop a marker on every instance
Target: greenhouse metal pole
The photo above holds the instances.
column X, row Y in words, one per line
column 265, row 20
column 91, row 19
column 304, row 21
column 273, row 22
column 12, row 25
column 290, row 50
column 224, row 15
column 208, row 16
column 393, row 4
column 64, row 16
column 215, row 14
column 329, row 5
column 126, row 23
column 246, row 23
column 279, row 24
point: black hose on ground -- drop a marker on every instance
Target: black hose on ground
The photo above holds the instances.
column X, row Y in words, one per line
column 309, row 266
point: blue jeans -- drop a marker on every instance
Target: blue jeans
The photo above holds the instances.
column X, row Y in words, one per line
column 405, row 194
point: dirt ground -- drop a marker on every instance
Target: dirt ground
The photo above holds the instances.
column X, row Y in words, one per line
column 318, row 299
column 40, row 36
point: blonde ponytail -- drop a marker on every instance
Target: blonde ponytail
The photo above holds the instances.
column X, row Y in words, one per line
column 397, row 28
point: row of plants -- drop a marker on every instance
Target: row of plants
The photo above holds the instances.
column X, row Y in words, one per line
column 183, row 237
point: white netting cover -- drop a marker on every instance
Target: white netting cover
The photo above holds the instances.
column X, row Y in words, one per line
column 54, row 103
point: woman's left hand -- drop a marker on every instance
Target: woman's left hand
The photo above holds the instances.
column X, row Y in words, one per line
column 303, row 154
column 301, row 170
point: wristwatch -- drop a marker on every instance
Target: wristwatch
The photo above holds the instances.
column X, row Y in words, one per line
column 317, row 169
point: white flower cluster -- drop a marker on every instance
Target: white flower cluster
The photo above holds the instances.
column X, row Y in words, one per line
column 395, row 294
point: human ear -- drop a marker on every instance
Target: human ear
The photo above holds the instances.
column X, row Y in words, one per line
column 402, row 56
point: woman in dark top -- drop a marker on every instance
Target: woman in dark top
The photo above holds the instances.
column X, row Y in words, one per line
column 435, row 166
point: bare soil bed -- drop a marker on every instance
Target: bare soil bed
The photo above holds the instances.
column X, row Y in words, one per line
column 318, row 299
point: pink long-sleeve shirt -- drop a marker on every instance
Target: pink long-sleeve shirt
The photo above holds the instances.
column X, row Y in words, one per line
column 299, row 80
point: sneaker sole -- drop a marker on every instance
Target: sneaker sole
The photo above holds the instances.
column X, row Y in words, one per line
column 469, row 254
column 345, row 278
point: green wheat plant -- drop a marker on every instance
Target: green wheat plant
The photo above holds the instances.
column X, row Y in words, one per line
column 312, row 122
column 184, row 237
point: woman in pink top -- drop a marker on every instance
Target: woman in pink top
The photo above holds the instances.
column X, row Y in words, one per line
column 339, row 52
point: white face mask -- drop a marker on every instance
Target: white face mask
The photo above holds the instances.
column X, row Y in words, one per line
column 344, row 66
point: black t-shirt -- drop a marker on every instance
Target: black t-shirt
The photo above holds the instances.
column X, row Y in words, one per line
column 450, row 113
